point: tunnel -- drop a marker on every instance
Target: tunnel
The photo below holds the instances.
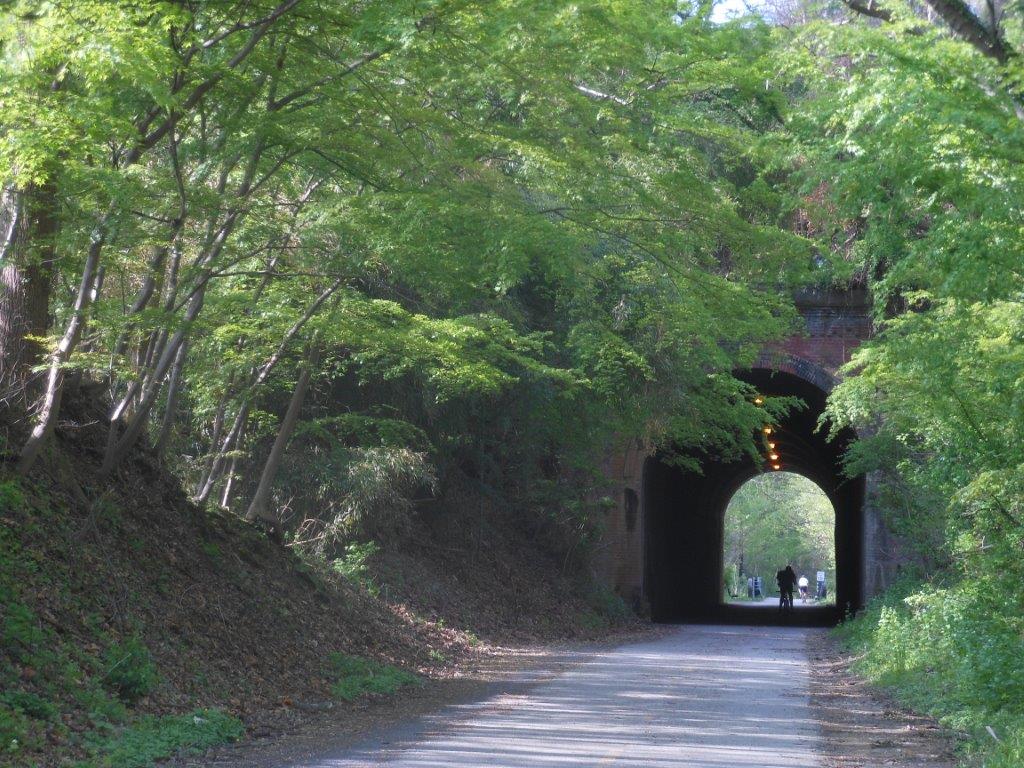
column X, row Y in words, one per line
column 684, row 516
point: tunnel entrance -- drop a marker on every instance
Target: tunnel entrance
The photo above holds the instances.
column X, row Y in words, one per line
column 684, row 514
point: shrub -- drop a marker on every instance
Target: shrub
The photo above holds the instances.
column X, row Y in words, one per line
column 607, row 604
column 353, row 565
column 731, row 580
column 11, row 495
column 593, row 621
column 21, row 635
column 29, row 704
column 953, row 652
column 16, row 731
column 130, row 671
column 102, row 707
column 369, row 492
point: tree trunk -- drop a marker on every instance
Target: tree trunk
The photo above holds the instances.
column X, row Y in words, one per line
column 173, row 387
column 231, row 476
column 237, row 429
column 257, row 378
column 49, row 408
column 258, row 508
column 28, row 225
column 117, row 452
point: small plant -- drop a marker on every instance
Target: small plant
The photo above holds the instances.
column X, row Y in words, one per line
column 11, row 495
column 154, row 738
column 130, row 671
column 16, row 731
column 106, row 511
column 608, row 605
column 21, row 633
column 356, row 676
column 354, row 567
column 593, row 621
column 102, row 707
column 29, row 704
column 210, row 549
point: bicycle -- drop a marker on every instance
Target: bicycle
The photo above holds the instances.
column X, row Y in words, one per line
column 785, row 602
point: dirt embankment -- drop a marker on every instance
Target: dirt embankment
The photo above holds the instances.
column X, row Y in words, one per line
column 230, row 619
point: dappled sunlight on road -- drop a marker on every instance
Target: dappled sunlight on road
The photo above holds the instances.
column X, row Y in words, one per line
column 702, row 697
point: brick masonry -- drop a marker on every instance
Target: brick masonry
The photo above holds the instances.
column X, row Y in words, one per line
column 836, row 324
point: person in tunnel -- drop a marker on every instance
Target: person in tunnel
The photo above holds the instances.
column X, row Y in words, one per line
column 786, row 579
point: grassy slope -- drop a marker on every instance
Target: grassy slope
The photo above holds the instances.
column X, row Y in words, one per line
column 954, row 652
column 134, row 622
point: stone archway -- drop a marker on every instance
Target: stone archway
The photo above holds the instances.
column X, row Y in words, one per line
column 684, row 511
column 836, row 322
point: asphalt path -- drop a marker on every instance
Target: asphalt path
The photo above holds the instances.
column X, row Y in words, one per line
column 699, row 697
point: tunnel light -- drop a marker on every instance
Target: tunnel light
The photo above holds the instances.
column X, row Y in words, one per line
column 772, row 446
column 776, row 466
column 758, row 401
column 767, row 430
column 773, row 456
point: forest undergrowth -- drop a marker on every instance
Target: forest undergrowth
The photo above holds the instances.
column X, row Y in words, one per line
column 950, row 650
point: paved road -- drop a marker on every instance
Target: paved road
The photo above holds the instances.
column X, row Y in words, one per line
column 700, row 697
column 773, row 603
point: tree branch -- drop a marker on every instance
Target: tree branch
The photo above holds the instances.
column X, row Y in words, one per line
column 870, row 9
column 970, row 28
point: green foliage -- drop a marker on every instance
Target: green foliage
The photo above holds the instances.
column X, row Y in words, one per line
column 604, row 609
column 354, row 566
column 608, row 605
column 355, row 676
column 371, row 494
column 22, row 635
column 153, row 738
column 30, row 704
column 907, row 159
column 731, row 578
column 211, row 549
column 535, row 229
column 12, row 497
column 44, row 674
column 130, row 670
column 953, row 652
column 16, row 731
column 566, row 240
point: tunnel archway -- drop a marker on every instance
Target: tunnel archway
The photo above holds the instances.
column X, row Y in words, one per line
column 684, row 513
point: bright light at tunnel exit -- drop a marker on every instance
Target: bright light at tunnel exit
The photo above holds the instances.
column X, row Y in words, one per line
column 773, row 519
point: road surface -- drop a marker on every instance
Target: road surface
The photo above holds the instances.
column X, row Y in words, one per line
column 773, row 603
column 699, row 697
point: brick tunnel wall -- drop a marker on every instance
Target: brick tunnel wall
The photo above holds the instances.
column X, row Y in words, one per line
column 836, row 323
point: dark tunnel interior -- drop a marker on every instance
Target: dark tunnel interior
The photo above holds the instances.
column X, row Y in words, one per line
column 684, row 516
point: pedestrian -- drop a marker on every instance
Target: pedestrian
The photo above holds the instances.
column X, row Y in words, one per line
column 803, row 584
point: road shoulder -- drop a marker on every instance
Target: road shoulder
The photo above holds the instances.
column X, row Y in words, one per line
column 862, row 726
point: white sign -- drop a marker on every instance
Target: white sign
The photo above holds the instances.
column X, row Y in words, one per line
column 821, row 575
